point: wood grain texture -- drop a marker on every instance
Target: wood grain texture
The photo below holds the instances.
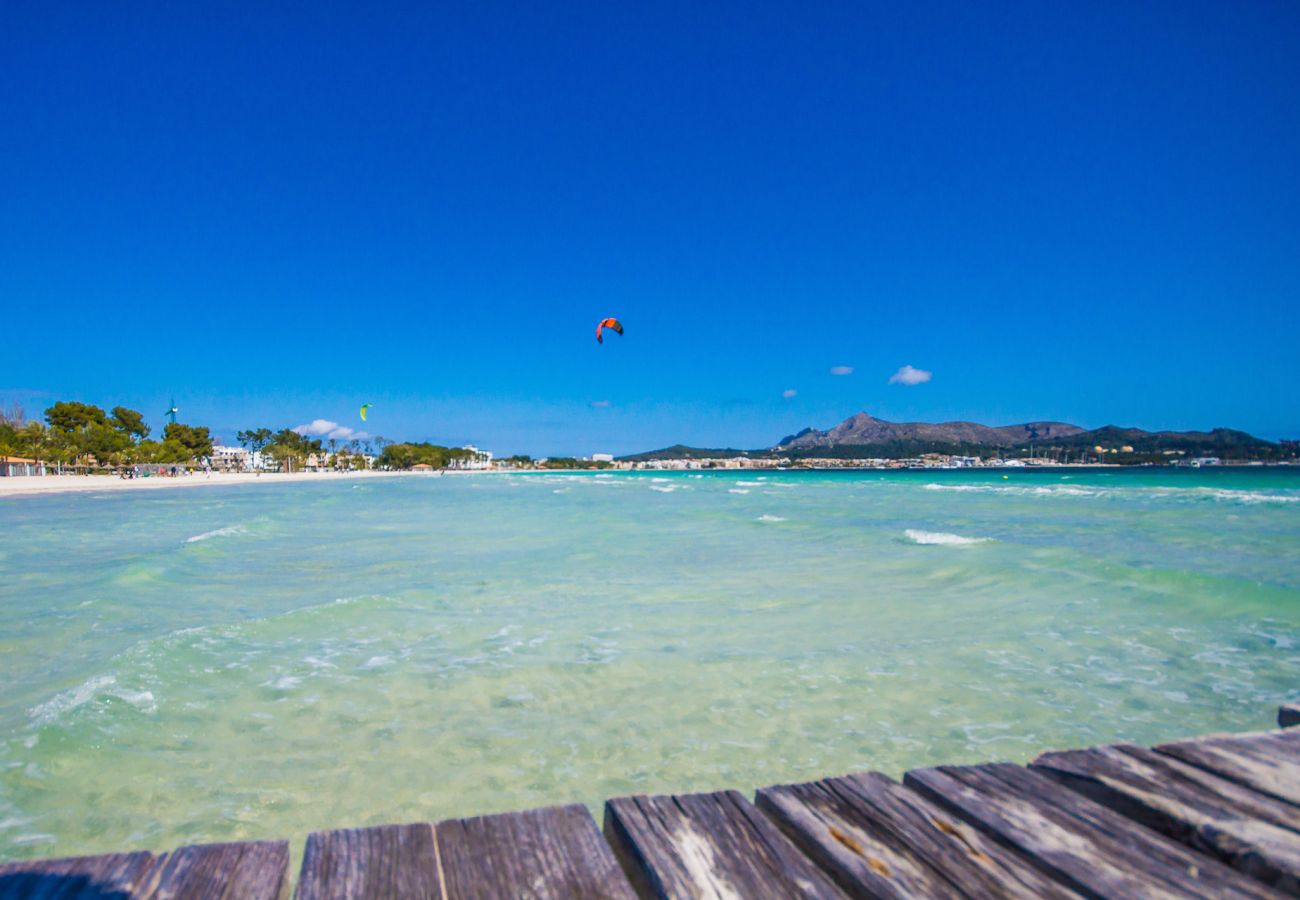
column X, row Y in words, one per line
column 1250, row 831
column 364, row 863
column 1092, row 849
column 257, row 870
column 1288, row 715
column 708, row 846
column 879, row 839
column 541, row 854
column 1267, row 761
column 117, row 876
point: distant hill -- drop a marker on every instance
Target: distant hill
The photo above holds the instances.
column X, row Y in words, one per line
column 1219, row 441
column 681, row 451
column 864, row 436
column 863, row 430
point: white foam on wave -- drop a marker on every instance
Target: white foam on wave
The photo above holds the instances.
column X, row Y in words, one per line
column 940, row 538
column 1226, row 495
column 1239, row 496
column 89, row 690
column 737, row 490
column 769, row 518
column 750, row 483
column 664, row 489
column 228, row 531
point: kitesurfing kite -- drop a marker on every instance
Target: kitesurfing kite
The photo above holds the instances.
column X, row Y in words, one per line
column 365, row 408
column 612, row 324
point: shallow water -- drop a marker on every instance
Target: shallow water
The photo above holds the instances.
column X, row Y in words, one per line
column 260, row 661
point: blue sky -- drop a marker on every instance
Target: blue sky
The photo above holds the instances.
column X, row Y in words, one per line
column 1085, row 212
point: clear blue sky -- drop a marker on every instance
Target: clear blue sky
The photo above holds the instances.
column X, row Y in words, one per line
column 1087, row 212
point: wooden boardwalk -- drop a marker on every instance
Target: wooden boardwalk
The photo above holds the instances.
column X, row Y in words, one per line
column 1213, row 817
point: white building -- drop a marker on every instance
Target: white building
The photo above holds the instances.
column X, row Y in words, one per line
column 602, row 457
column 481, row 459
column 238, row 459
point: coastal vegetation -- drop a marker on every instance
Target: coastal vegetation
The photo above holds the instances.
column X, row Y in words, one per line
column 408, row 455
column 569, row 462
column 82, row 435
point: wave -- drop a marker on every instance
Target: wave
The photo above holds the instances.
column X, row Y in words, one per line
column 737, row 490
column 228, row 531
column 665, row 489
column 941, row 538
column 89, row 690
column 1227, row 495
column 1240, row 496
column 767, row 518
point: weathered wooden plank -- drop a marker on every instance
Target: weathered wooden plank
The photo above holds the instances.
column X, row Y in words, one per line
column 1288, row 715
column 257, row 870
column 708, row 845
column 364, row 863
column 1250, row 831
column 1094, row 850
column 542, row 854
column 1268, row 762
column 116, row 875
column 879, row 839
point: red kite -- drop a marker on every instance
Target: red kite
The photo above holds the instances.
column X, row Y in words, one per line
column 612, row 324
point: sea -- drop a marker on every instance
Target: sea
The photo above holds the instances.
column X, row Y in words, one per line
column 261, row 661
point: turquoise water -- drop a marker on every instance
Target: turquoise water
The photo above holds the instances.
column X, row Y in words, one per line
column 259, row 661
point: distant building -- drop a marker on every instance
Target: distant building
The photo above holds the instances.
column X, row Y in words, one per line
column 602, row 457
column 238, row 459
column 14, row 466
column 479, row 459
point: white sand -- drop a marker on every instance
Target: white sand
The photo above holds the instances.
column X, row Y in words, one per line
column 54, row 484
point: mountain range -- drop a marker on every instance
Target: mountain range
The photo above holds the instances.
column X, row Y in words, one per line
column 863, row 430
column 864, row 436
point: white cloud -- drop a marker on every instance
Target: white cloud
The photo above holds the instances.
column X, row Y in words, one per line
column 332, row 430
column 599, row 404
column 788, row 393
column 909, row 376
column 841, row 370
column 317, row 427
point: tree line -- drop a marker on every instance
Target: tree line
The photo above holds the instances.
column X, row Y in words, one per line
column 406, row 455
column 290, row 449
column 82, row 434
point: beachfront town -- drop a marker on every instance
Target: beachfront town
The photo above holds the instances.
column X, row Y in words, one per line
column 82, row 439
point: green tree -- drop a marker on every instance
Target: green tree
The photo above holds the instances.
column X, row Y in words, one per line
column 288, row 445
column 254, row 439
column 71, row 416
column 130, row 423
column 182, row 443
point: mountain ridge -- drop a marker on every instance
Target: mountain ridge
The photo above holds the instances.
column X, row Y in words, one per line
column 866, row 436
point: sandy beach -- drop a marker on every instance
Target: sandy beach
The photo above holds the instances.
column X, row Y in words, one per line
column 55, row 484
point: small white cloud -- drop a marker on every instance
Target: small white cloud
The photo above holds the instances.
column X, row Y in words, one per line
column 599, row 404
column 841, row 370
column 332, row 430
column 317, row 427
column 788, row 393
column 909, row 376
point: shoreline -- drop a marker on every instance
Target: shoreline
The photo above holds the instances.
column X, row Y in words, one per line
column 36, row 485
